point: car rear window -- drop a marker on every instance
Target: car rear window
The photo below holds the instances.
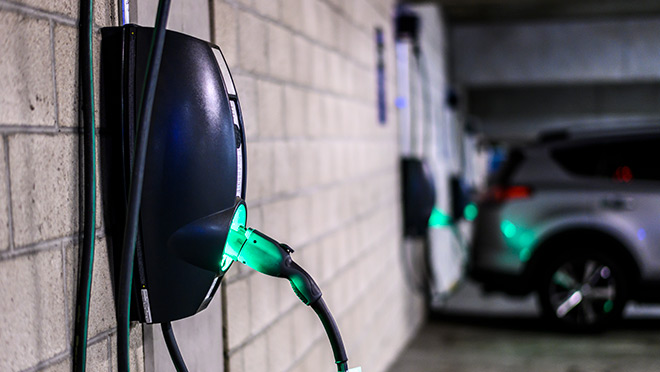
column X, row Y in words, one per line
column 620, row 160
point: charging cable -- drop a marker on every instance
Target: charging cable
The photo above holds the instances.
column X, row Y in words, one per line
column 85, row 63
column 135, row 193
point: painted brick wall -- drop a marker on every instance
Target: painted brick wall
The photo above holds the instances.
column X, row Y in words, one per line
column 40, row 193
column 322, row 176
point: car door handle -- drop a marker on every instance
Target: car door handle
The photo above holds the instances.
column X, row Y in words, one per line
column 617, row 203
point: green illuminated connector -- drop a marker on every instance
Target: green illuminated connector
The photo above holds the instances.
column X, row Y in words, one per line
column 265, row 255
column 439, row 218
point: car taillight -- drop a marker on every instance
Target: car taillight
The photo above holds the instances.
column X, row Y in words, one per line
column 499, row 194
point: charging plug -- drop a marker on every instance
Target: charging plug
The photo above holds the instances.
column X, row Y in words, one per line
column 267, row 256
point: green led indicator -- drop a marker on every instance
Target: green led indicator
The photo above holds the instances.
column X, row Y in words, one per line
column 508, row 229
column 470, row 212
column 608, row 306
column 439, row 218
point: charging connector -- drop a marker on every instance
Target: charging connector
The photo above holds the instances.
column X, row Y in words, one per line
column 267, row 256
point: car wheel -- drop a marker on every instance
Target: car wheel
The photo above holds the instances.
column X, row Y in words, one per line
column 583, row 291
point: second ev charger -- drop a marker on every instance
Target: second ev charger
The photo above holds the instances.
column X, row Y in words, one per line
column 192, row 224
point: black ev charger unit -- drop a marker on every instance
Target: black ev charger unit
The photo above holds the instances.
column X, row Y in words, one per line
column 192, row 222
column 418, row 191
column 194, row 167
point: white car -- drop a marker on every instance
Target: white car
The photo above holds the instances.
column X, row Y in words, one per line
column 575, row 218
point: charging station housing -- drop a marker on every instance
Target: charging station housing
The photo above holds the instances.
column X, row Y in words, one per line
column 196, row 167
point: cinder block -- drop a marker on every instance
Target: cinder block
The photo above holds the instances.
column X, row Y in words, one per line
column 299, row 214
column 97, row 356
column 249, row 3
column 66, row 74
column 69, row 8
column 280, row 345
column 271, row 109
column 334, row 72
column 102, row 305
column 295, row 111
column 256, row 355
column 309, row 14
column 316, row 117
column 275, row 222
column 305, row 328
column 32, row 310
column 332, row 119
column 325, row 164
column 260, row 171
column 286, row 168
column 238, row 312
column 319, row 358
column 291, row 14
column 318, row 209
column 309, row 170
column 27, row 91
column 226, row 31
column 63, row 366
column 236, row 361
column 319, row 69
column 263, row 300
column 246, row 87
column 4, row 200
column 325, row 18
column 44, row 183
column 280, row 52
column 302, row 61
column 252, row 39
column 269, row 8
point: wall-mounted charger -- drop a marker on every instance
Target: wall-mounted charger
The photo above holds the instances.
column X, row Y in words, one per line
column 195, row 165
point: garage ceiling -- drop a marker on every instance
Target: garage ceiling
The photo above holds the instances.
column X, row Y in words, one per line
column 459, row 11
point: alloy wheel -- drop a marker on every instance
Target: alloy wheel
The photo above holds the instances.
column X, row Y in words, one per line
column 583, row 292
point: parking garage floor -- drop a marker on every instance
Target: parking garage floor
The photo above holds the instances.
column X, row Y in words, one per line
column 494, row 334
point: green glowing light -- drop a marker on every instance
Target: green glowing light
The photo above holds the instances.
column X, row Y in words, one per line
column 225, row 263
column 470, row 212
column 439, row 218
column 235, row 238
column 608, row 306
column 508, row 229
column 525, row 255
column 526, row 239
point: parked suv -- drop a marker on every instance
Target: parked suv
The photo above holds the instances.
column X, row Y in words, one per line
column 575, row 218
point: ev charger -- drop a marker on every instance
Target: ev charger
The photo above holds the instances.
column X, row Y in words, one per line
column 192, row 222
column 195, row 164
column 418, row 194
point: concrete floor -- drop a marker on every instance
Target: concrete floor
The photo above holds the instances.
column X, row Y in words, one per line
column 493, row 334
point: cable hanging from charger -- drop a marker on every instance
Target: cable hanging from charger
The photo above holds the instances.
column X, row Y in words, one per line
column 86, row 258
column 173, row 348
column 136, row 183
column 332, row 330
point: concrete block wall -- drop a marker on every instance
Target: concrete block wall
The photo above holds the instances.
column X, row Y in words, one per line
column 40, row 193
column 322, row 176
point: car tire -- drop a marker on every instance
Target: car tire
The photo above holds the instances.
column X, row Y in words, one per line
column 583, row 291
